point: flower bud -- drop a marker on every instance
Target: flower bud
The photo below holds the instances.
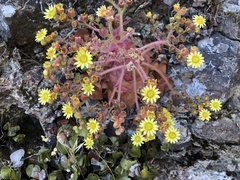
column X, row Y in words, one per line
column 182, row 38
column 84, row 97
column 59, row 8
column 56, row 45
column 63, row 17
column 103, row 32
column 64, row 50
column 56, row 64
column 176, row 7
column 45, row 73
column 71, row 37
column 120, row 130
column 183, row 11
column 71, row 13
column 128, row 2
column 180, row 30
column 54, row 34
column 75, row 24
column 47, row 65
column 77, row 115
column 48, row 38
column 172, row 49
column 91, row 18
column 78, row 39
column 64, row 95
column 121, row 3
column 56, row 88
column 177, row 17
column 84, row 17
column 75, row 102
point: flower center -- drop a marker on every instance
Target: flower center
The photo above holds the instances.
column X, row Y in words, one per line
column 195, row 59
column 205, row 114
column 150, row 94
column 45, row 96
column 137, row 139
column 84, row 59
column 92, row 125
column 87, row 88
column 172, row 135
column 200, row 20
column 215, row 105
column 68, row 110
column 148, row 126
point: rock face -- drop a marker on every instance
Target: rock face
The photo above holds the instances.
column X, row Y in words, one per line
column 207, row 150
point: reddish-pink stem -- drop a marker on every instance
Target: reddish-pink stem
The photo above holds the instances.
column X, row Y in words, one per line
column 145, row 77
column 140, row 74
column 119, row 83
column 111, row 98
column 89, row 26
column 135, row 89
column 150, row 46
column 111, row 69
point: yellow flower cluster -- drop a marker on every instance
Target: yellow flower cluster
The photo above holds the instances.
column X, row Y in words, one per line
column 215, row 105
column 148, row 128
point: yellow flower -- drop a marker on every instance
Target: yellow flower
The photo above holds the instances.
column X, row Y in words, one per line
column 93, row 126
column 83, row 58
column 172, row 135
column 176, row 7
column 47, row 65
column 199, row 21
column 148, row 127
column 88, row 143
column 149, row 14
column 151, row 114
column 51, row 53
column 150, row 94
column 150, row 138
column 204, row 115
column 195, row 60
column 167, row 114
column 88, row 89
column 102, row 11
column 41, row 34
column 215, row 105
column 50, row 13
column 67, row 110
column 44, row 96
column 137, row 139
column 170, row 122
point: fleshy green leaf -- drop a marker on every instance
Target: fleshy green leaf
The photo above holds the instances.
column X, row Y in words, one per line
column 93, row 176
column 135, row 151
column 126, row 164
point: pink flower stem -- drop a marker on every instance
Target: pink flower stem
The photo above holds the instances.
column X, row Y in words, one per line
column 161, row 74
column 135, row 89
column 111, row 98
column 89, row 26
column 142, row 72
column 150, row 46
column 111, row 69
column 119, row 83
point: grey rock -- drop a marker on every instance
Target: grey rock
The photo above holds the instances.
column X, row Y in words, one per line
column 222, row 70
column 224, row 130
